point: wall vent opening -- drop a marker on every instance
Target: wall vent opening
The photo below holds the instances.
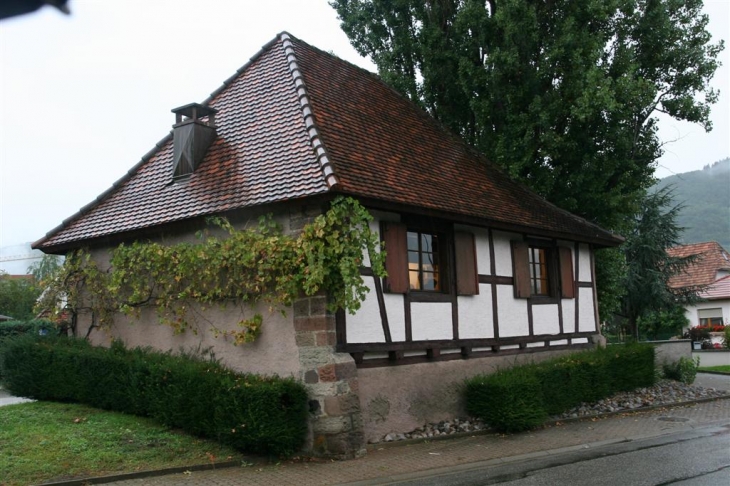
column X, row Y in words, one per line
column 193, row 133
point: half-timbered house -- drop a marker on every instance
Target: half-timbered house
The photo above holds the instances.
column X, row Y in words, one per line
column 482, row 272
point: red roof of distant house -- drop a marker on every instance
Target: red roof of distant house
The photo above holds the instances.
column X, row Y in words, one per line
column 711, row 258
column 271, row 147
column 717, row 291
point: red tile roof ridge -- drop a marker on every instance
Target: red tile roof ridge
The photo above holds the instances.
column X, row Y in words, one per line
column 309, row 121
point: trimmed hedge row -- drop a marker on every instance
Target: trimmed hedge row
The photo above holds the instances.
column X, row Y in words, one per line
column 16, row 328
column 522, row 397
column 249, row 412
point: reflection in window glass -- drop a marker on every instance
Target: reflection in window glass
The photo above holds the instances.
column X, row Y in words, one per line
column 423, row 261
column 539, row 279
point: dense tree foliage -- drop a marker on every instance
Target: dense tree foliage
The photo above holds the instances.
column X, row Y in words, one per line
column 648, row 266
column 17, row 297
column 706, row 199
column 561, row 93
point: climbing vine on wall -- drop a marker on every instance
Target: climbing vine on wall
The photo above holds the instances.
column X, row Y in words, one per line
column 244, row 267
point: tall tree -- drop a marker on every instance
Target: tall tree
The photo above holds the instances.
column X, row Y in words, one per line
column 17, row 297
column 648, row 266
column 562, row 93
column 45, row 270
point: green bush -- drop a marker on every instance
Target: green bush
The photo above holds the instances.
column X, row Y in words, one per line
column 509, row 400
column 684, row 370
column 521, row 397
column 34, row 326
column 249, row 412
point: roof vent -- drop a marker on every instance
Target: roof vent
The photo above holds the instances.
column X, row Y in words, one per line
column 191, row 137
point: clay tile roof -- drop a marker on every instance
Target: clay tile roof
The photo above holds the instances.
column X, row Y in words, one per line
column 719, row 290
column 297, row 122
column 711, row 259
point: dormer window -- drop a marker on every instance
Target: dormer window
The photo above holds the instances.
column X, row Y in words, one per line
column 193, row 133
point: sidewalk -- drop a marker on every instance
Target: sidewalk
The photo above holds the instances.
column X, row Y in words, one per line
column 387, row 461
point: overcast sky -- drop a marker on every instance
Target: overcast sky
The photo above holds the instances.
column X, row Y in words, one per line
column 84, row 97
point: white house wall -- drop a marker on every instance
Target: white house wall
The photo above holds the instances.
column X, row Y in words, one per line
column 431, row 321
column 692, row 312
column 476, row 317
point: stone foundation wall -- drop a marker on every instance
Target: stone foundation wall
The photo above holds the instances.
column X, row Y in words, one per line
column 399, row 399
column 336, row 427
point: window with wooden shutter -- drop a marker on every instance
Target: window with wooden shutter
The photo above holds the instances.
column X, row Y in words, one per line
column 567, row 282
column 396, row 258
column 467, row 279
column 521, row 269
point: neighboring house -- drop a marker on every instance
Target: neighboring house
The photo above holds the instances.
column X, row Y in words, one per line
column 482, row 273
column 710, row 273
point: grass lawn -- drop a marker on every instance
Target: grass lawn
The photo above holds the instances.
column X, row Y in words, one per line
column 45, row 441
column 719, row 369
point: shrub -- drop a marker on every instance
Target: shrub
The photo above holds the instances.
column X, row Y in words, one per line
column 684, row 370
column 509, row 400
column 522, row 397
column 249, row 412
column 726, row 337
column 15, row 328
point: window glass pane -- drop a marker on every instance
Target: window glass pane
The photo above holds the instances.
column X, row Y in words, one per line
column 413, row 280
column 423, row 261
column 413, row 258
column 412, row 241
column 429, row 281
column 426, row 244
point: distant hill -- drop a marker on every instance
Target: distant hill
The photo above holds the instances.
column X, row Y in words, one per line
column 706, row 197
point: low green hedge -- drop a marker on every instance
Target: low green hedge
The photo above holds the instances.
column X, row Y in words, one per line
column 249, row 412
column 522, row 397
column 16, row 328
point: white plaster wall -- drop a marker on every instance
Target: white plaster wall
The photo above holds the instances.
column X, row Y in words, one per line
column 475, row 315
column 512, row 313
column 431, row 321
column 395, row 308
column 569, row 315
column 366, row 325
column 545, row 319
column 503, row 253
column 584, row 260
column 692, row 312
column 587, row 316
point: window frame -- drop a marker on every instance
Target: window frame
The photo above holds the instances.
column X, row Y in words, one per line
column 458, row 272
column 440, row 268
column 559, row 269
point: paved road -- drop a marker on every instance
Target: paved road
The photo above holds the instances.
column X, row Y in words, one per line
column 700, row 457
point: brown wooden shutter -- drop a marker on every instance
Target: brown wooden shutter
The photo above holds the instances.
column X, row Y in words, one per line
column 521, row 269
column 467, row 280
column 567, row 283
column 396, row 258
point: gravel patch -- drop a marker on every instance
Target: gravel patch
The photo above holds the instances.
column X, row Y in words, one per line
column 665, row 392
